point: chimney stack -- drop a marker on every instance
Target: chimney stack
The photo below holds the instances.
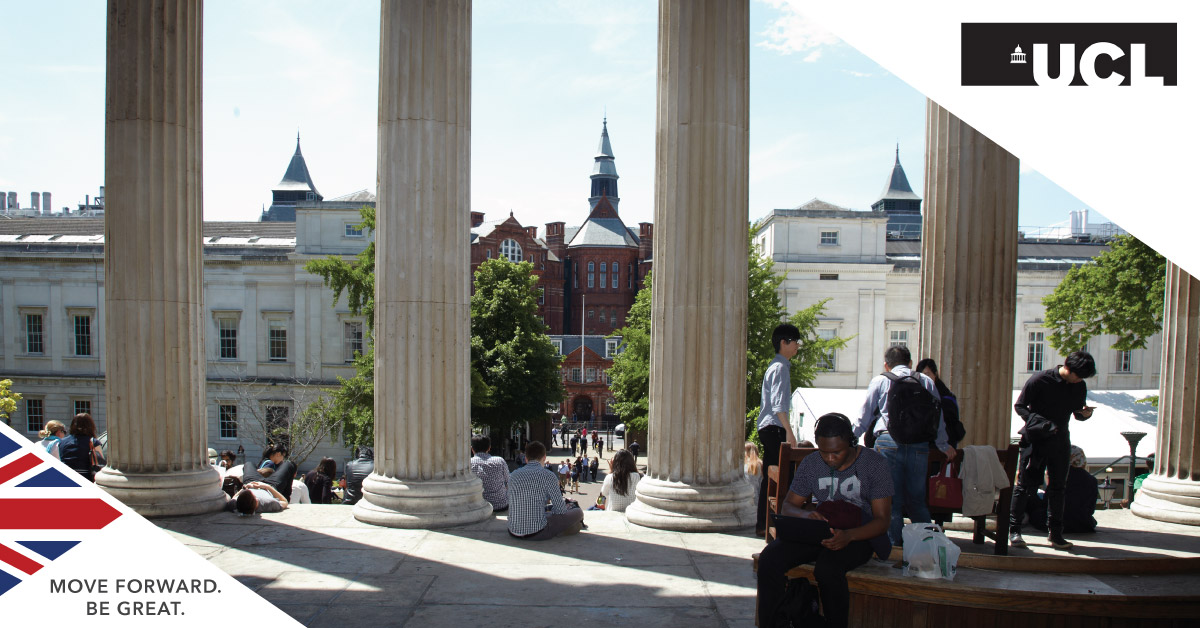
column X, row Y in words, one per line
column 646, row 235
column 532, row 231
column 46, row 206
column 12, row 201
column 476, row 218
column 3, row 202
column 35, row 201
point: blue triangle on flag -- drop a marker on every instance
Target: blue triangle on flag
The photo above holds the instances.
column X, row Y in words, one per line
column 6, row 581
column 48, row 478
column 50, row 549
column 7, row 446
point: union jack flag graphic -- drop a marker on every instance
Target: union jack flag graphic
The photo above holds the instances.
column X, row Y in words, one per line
column 45, row 510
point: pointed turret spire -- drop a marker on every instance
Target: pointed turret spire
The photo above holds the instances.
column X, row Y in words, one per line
column 901, row 204
column 604, row 171
column 295, row 186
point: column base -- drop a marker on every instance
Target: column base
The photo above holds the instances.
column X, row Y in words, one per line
column 173, row 494
column 421, row 504
column 684, row 507
column 1168, row 499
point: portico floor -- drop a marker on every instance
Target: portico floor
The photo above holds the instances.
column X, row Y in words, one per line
column 321, row 566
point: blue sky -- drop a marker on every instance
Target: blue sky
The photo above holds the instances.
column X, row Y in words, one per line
column 825, row 119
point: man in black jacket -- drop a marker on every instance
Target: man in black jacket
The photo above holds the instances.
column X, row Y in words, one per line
column 1046, row 404
column 357, row 470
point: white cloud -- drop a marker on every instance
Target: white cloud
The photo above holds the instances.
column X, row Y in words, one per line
column 858, row 74
column 792, row 33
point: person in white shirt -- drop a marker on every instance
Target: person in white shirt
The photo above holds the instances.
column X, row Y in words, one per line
column 620, row 485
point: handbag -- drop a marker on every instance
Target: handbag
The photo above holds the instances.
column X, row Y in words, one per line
column 945, row 491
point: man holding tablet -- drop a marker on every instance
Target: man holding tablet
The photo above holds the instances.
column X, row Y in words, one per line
column 843, row 477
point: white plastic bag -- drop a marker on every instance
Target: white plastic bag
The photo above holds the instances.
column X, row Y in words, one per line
column 928, row 553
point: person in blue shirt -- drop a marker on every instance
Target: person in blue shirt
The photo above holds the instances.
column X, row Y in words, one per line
column 774, row 429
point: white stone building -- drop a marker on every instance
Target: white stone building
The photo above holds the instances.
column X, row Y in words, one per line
column 874, row 287
column 274, row 338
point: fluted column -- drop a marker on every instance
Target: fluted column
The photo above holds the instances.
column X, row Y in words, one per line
column 1172, row 492
column 969, row 271
column 422, row 338
column 153, row 264
column 698, row 321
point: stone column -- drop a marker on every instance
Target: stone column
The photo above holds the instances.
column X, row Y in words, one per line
column 969, row 271
column 698, row 321
column 1172, row 492
column 153, row 261
column 422, row 337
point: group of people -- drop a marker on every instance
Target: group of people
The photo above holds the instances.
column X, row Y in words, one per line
column 271, row 485
column 577, row 440
column 570, row 474
column 77, row 447
column 864, row 491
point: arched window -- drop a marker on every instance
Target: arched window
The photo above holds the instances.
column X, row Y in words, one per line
column 616, row 275
column 591, row 274
column 511, row 250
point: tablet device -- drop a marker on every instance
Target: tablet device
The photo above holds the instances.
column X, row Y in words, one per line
column 800, row 529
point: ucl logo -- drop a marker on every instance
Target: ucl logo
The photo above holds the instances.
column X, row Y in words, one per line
column 1076, row 55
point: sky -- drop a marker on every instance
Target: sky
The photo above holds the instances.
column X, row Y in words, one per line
column 824, row 119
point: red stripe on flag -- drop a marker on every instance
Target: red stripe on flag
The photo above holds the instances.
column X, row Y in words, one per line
column 18, row 466
column 18, row 560
column 56, row 514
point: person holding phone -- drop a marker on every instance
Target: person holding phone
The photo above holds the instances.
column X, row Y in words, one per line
column 1047, row 402
column 853, row 477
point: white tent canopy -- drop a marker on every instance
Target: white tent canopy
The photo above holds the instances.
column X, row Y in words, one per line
column 1100, row 437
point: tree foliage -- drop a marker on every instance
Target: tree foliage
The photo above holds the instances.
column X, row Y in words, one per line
column 509, row 347
column 630, row 373
column 8, row 400
column 1120, row 293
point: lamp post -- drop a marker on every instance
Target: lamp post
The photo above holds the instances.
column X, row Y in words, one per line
column 1133, row 438
column 1106, row 492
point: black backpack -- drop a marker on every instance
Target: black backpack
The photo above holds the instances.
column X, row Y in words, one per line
column 799, row 607
column 913, row 411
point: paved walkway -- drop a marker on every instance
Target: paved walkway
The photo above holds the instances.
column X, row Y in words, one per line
column 325, row 569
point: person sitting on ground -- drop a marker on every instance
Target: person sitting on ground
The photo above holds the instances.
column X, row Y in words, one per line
column 51, row 434
column 258, row 497
column 594, row 467
column 753, row 467
column 621, row 481
column 842, row 472
column 357, row 470
column 320, row 481
column 492, row 472
column 282, row 474
column 228, row 459
column 80, row 449
column 530, row 489
column 1079, row 509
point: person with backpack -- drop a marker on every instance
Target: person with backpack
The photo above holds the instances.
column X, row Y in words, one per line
column 955, row 431
column 903, row 413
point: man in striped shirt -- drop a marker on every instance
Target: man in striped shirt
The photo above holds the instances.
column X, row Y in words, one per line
column 530, row 489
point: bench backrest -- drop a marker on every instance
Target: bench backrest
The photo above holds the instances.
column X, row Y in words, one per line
column 789, row 457
column 1008, row 459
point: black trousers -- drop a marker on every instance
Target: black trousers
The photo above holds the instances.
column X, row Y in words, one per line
column 281, row 479
column 830, row 572
column 772, row 438
column 1050, row 457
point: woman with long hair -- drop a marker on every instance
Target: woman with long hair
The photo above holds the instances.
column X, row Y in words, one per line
column 754, row 468
column 621, row 483
column 80, row 450
column 51, row 434
column 320, row 481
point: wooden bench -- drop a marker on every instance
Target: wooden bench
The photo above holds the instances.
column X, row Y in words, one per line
column 779, row 480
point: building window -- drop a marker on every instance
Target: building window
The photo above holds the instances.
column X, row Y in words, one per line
column 81, row 406
column 591, row 374
column 227, row 420
column 591, row 274
column 558, row 348
column 353, row 340
column 277, row 350
column 602, row 314
column 899, row 338
column 610, row 349
column 35, row 335
column 511, row 250
column 277, row 426
column 603, row 283
column 35, row 415
column 829, row 277
column 828, row 361
column 309, row 196
column 353, row 230
column 829, row 238
column 489, row 253
column 227, row 338
column 574, row 375
column 541, row 296
column 83, row 334
column 630, row 276
column 603, row 267
column 575, row 275
column 616, row 280
column 591, row 314
column 1036, row 353
column 1124, row 361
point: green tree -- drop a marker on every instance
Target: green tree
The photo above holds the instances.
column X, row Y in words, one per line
column 8, row 400
column 1120, row 293
column 630, row 373
column 510, row 348
column 350, row 410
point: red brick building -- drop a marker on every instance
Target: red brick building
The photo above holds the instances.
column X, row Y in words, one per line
column 509, row 239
